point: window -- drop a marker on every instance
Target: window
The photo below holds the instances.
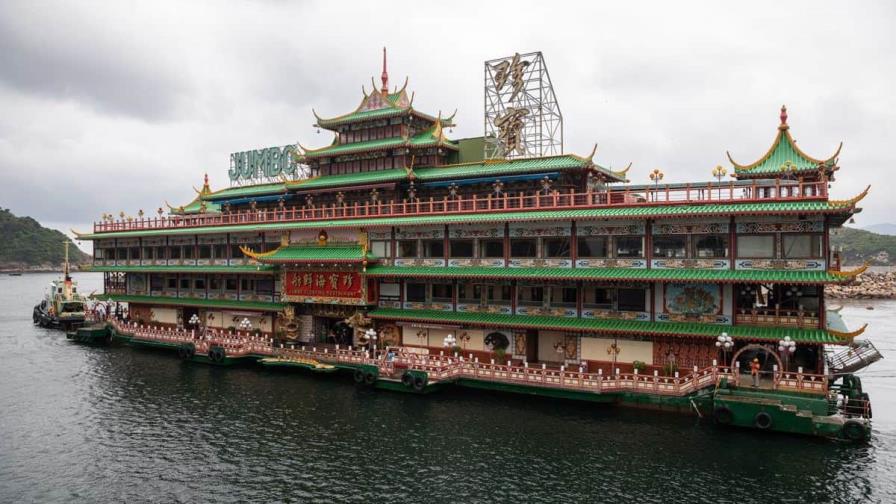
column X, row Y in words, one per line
column 556, row 247
column 523, row 247
column 407, row 248
column 247, row 284
column 205, row 252
column 631, row 300
column 172, row 283
column 443, row 293
column 389, row 290
column 381, row 248
column 134, row 252
column 236, row 253
column 499, row 293
column 189, row 251
column 801, row 246
column 759, row 246
column 214, row 283
column 563, row 296
column 220, row 251
column 461, row 248
column 199, row 284
column 629, row 246
column 230, row 284
column 599, row 297
column 156, row 282
column 710, row 246
column 469, row 293
column 415, row 293
column 185, row 284
column 433, row 248
column 530, row 295
column 174, row 253
column 491, row 248
column 264, row 286
column 670, row 246
column 148, row 253
column 160, row 252
column 593, row 246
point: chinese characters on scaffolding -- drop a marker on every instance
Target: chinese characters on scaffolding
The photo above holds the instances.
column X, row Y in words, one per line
column 511, row 122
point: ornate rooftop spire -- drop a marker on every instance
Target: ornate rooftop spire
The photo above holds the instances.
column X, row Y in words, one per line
column 385, row 75
column 783, row 117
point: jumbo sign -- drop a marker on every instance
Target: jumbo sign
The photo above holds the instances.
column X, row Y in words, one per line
column 265, row 163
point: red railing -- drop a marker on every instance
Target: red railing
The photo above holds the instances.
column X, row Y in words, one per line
column 442, row 368
column 660, row 195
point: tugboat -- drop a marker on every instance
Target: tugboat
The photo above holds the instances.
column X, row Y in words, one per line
column 62, row 307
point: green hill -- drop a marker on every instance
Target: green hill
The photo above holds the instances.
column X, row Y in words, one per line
column 858, row 246
column 25, row 244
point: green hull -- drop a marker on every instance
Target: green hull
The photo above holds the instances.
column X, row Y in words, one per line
column 97, row 334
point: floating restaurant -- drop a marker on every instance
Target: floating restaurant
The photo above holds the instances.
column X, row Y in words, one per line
column 416, row 262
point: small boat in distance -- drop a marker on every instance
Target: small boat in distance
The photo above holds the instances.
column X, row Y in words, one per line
column 62, row 306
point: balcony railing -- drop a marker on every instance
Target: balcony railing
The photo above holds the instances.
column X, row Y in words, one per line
column 777, row 317
column 660, row 195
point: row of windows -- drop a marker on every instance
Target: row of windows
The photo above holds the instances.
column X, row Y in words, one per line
column 231, row 284
column 610, row 298
column 392, row 131
column 793, row 246
column 176, row 252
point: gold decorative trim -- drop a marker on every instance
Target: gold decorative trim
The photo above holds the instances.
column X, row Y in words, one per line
column 849, row 335
column 850, row 273
column 852, row 201
column 782, row 133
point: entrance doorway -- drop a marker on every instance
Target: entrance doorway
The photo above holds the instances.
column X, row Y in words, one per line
column 332, row 330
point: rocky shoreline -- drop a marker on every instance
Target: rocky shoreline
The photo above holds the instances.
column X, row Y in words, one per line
column 868, row 285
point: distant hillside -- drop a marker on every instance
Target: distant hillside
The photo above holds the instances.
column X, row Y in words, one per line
column 26, row 245
column 859, row 246
column 884, row 228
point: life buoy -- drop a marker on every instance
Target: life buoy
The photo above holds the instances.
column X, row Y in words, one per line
column 854, row 430
column 407, row 379
column 369, row 378
column 762, row 420
column 359, row 376
column 723, row 416
column 419, row 383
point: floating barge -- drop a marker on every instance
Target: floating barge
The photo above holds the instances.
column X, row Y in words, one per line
column 413, row 262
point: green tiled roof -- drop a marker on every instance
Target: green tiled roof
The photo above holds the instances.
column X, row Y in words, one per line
column 326, row 253
column 783, row 151
column 242, row 268
column 610, row 274
column 608, row 325
column 421, row 140
column 363, row 115
column 350, row 179
column 253, row 190
column 202, row 303
column 500, row 167
column 195, row 207
column 622, row 212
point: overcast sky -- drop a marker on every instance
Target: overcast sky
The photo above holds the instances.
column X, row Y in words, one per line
column 120, row 105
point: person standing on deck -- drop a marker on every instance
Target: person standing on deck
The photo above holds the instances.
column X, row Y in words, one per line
column 754, row 370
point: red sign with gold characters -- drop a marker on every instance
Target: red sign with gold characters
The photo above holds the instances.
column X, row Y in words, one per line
column 322, row 284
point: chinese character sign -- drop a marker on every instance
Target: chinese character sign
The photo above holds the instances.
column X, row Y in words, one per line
column 322, row 284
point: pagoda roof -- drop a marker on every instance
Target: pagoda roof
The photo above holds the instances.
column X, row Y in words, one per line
column 312, row 253
column 247, row 191
column 784, row 154
column 198, row 205
column 844, row 207
column 614, row 326
column 498, row 167
column 350, row 179
column 431, row 137
column 619, row 274
column 239, row 268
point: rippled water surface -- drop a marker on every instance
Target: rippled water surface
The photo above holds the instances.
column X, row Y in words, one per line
column 115, row 424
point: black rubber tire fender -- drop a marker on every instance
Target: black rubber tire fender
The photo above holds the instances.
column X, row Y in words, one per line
column 407, row 379
column 854, row 430
column 359, row 376
column 722, row 415
column 419, row 383
column 369, row 378
column 762, row 420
